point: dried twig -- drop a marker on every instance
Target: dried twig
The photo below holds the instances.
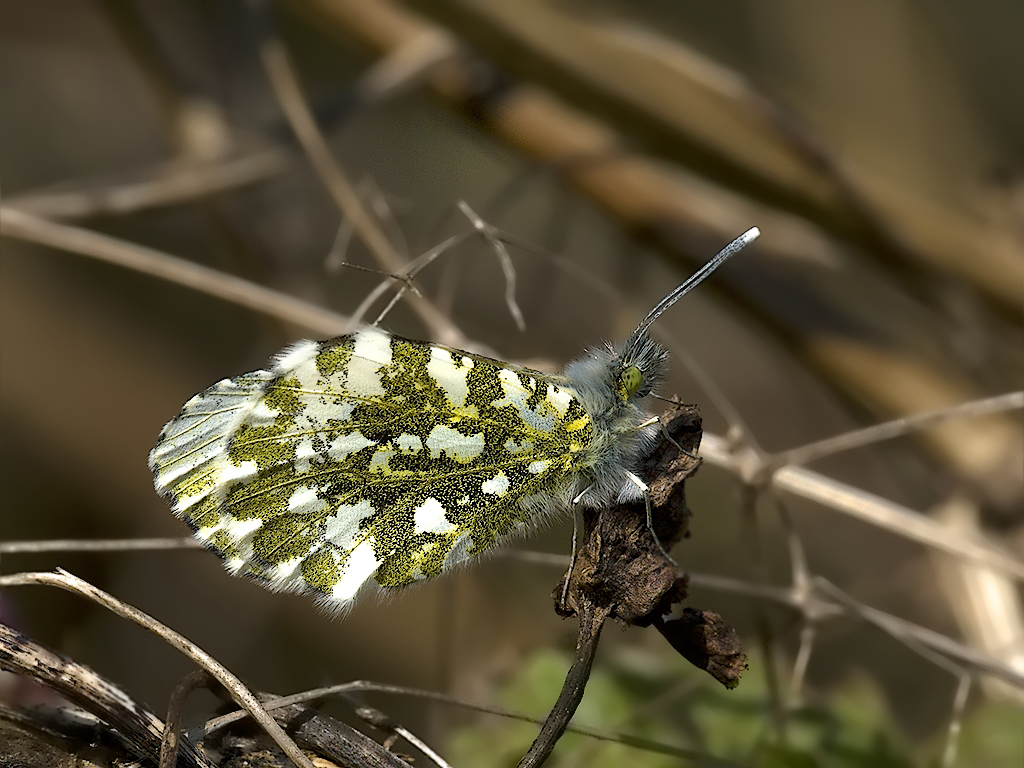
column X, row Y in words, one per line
column 381, row 721
column 333, row 739
column 169, row 184
column 170, row 744
column 706, row 117
column 572, row 689
column 98, row 545
column 23, row 226
column 289, row 95
column 131, row 723
column 860, row 504
column 242, row 695
column 963, row 688
column 876, row 433
column 648, row 745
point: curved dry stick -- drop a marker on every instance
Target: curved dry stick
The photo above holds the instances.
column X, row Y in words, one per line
column 242, row 695
column 138, row 729
column 888, row 430
column 338, row 742
column 171, row 742
column 384, row 722
column 24, row 226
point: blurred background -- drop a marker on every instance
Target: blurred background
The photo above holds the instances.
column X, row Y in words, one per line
column 878, row 145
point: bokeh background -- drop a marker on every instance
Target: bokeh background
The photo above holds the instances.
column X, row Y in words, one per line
column 878, row 146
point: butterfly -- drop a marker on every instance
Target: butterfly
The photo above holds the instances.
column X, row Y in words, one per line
column 371, row 458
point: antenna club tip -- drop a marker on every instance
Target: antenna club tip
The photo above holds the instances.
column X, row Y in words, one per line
column 750, row 235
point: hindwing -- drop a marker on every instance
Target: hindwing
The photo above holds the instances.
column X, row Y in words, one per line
column 370, row 456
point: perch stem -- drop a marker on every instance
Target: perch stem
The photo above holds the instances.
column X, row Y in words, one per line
column 591, row 621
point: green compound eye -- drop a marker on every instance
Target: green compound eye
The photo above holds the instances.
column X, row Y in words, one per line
column 631, row 379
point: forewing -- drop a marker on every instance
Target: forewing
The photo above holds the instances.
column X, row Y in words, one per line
column 369, row 456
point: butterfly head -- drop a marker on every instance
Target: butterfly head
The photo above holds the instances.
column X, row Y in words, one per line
column 642, row 361
column 639, row 366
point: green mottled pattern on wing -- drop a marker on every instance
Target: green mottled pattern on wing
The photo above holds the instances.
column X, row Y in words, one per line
column 370, row 455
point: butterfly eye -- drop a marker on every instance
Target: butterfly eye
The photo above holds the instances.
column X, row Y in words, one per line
column 631, row 379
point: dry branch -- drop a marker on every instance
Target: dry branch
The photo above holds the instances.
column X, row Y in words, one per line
column 131, row 723
column 454, row 701
column 300, row 117
column 860, row 504
column 169, row 184
column 242, row 695
column 24, row 226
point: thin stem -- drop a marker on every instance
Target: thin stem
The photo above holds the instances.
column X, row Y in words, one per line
column 175, row 710
column 963, row 688
column 867, row 507
column 289, row 94
column 169, row 184
column 896, row 428
column 397, row 690
column 97, row 545
column 212, row 282
column 591, row 621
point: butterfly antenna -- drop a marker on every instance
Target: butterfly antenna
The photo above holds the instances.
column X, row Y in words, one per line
column 696, row 279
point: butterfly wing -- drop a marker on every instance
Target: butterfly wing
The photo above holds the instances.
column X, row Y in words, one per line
column 370, row 456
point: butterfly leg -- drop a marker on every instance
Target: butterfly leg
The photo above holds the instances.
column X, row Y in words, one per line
column 650, row 521
column 657, row 420
column 575, row 533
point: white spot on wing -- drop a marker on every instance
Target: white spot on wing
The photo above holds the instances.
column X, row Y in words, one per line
column 459, row 447
column 497, row 485
column 342, row 527
column 451, row 378
column 343, row 445
column 239, row 529
column 371, row 351
column 516, row 395
column 536, row 467
column 429, row 518
column 559, row 399
column 379, row 460
column 513, row 447
column 262, row 414
column 409, row 443
column 304, row 500
column 204, row 534
column 283, row 572
column 459, row 552
column 232, row 472
column 357, row 568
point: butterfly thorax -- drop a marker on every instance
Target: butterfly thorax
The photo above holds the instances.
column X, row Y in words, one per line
column 611, row 383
